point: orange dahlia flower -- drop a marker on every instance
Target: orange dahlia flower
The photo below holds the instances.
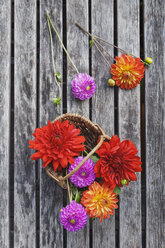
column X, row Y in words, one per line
column 57, row 143
column 127, row 71
column 99, row 201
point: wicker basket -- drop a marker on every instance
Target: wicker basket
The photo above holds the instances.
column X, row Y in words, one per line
column 92, row 132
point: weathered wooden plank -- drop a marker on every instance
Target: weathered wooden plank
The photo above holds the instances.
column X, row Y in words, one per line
column 24, row 122
column 51, row 195
column 154, row 17
column 129, row 125
column 77, row 44
column 5, row 39
column 103, row 102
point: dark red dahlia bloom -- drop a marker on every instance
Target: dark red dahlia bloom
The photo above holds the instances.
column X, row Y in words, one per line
column 117, row 161
column 57, row 143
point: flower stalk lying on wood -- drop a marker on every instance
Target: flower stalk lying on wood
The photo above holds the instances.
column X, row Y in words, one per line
column 94, row 186
column 57, row 76
column 83, row 85
column 127, row 71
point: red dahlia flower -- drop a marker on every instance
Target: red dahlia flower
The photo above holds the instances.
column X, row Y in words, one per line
column 117, row 161
column 57, row 143
column 128, row 71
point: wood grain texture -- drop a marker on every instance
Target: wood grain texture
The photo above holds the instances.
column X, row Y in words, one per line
column 5, row 37
column 154, row 17
column 77, row 45
column 51, row 195
column 129, row 126
column 24, row 122
column 103, row 102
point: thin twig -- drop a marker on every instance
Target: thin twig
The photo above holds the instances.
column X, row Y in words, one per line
column 52, row 54
column 62, row 43
column 85, row 31
column 106, row 42
column 111, row 45
column 105, row 60
column 99, row 44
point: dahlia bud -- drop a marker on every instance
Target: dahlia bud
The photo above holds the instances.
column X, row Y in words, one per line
column 124, row 181
column 111, row 82
column 148, row 60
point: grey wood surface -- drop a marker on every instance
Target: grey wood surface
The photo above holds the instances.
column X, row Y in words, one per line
column 51, row 195
column 24, row 122
column 129, row 126
column 5, row 31
column 36, row 199
column 103, row 102
column 77, row 45
column 155, row 119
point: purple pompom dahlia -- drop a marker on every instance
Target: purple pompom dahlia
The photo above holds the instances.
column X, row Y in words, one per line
column 83, row 86
column 73, row 217
column 85, row 175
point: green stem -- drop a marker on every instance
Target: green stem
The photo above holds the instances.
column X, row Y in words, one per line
column 69, row 191
column 62, row 43
column 52, row 54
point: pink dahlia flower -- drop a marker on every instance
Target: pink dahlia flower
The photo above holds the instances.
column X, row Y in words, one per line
column 83, row 86
column 85, row 175
column 73, row 217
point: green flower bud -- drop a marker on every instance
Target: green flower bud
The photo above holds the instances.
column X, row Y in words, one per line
column 148, row 60
column 111, row 82
column 124, row 181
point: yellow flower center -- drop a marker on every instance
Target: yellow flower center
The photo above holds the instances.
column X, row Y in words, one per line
column 83, row 173
column 72, row 221
column 100, row 199
column 126, row 74
column 88, row 87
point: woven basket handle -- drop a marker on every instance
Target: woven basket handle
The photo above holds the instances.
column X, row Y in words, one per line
column 102, row 138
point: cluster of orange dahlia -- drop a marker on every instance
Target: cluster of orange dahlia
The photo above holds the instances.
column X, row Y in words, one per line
column 127, row 71
column 99, row 201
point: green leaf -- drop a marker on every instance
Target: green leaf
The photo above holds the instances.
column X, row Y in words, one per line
column 91, row 42
column 59, row 77
column 78, row 197
column 57, row 100
column 117, row 190
column 94, row 158
column 73, row 189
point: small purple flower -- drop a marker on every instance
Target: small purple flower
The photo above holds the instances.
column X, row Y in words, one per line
column 83, row 86
column 73, row 217
column 85, row 176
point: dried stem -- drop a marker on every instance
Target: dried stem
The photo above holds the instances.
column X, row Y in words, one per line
column 52, row 54
column 99, row 38
column 111, row 45
column 105, row 60
column 85, row 31
column 62, row 43
column 99, row 44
